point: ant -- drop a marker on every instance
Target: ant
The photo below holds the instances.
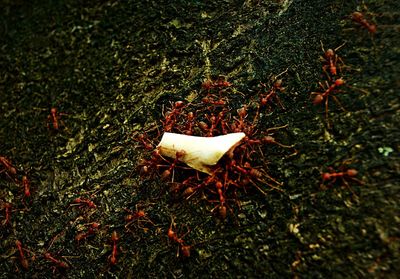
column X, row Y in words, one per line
column 345, row 176
column 58, row 263
column 138, row 215
column 251, row 173
column 240, row 125
column 167, row 173
column 173, row 236
column 81, row 202
column 7, row 207
column 321, row 96
column 272, row 93
column 144, row 140
column 210, row 100
column 26, row 183
column 23, row 260
column 147, row 167
column 189, row 124
column 214, row 122
column 170, row 116
column 219, row 83
column 360, row 19
column 9, row 169
column 222, row 121
column 54, row 118
column 113, row 256
column 330, row 60
column 91, row 231
column 334, row 175
column 222, row 204
column 269, row 139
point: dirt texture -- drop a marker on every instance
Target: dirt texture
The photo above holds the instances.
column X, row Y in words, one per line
column 113, row 68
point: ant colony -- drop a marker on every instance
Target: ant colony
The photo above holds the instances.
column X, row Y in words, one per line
column 209, row 147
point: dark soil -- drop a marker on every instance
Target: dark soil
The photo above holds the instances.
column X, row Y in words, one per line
column 113, row 67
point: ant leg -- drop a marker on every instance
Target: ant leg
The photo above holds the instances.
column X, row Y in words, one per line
column 326, row 111
column 339, row 47
column 338, row 103
column 348, row 187
column 277, row 128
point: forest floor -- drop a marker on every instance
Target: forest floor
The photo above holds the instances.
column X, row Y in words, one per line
column 113, row 68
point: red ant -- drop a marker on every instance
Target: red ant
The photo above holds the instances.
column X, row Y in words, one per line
column 88, row 202
column 167, row 173
column 23, row 260
column 178, row 186
column 58, row 263
column 359, row 18
column 240, row 125
column 26, row 183
column 221, row 207
column 219, row 83
column 321, row 96
column 253, row 173
column 221, row 119
column 138, row 215
column 210, row 100
column 214, row 122
column 9, row 169
column 332, row 176
column 54, row 118
column 331, row 59
column 189, row 124
column 268, row 139
column 7, row 207
column 142, row 138
column 147, row 167
column 272, row 93
column 113, row 256
column 172, row 236
column 91, row 231
column 170, row 117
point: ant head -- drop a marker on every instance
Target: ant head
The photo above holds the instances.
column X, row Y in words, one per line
column 53, row 110
column 372, row 28
column 179, row 104
column 339, row 81
column 326, row 176
column 269, row 139
column 242, row 111
column 114, row 236
column 352, row 172
column 357, row 16
column 329, row 53
column 179, row 154
column 278, row 83
column 95, row 225
column 263, row 101
column 207, row 85
column 140, row 213
column 171, row 233
column 156, row 153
